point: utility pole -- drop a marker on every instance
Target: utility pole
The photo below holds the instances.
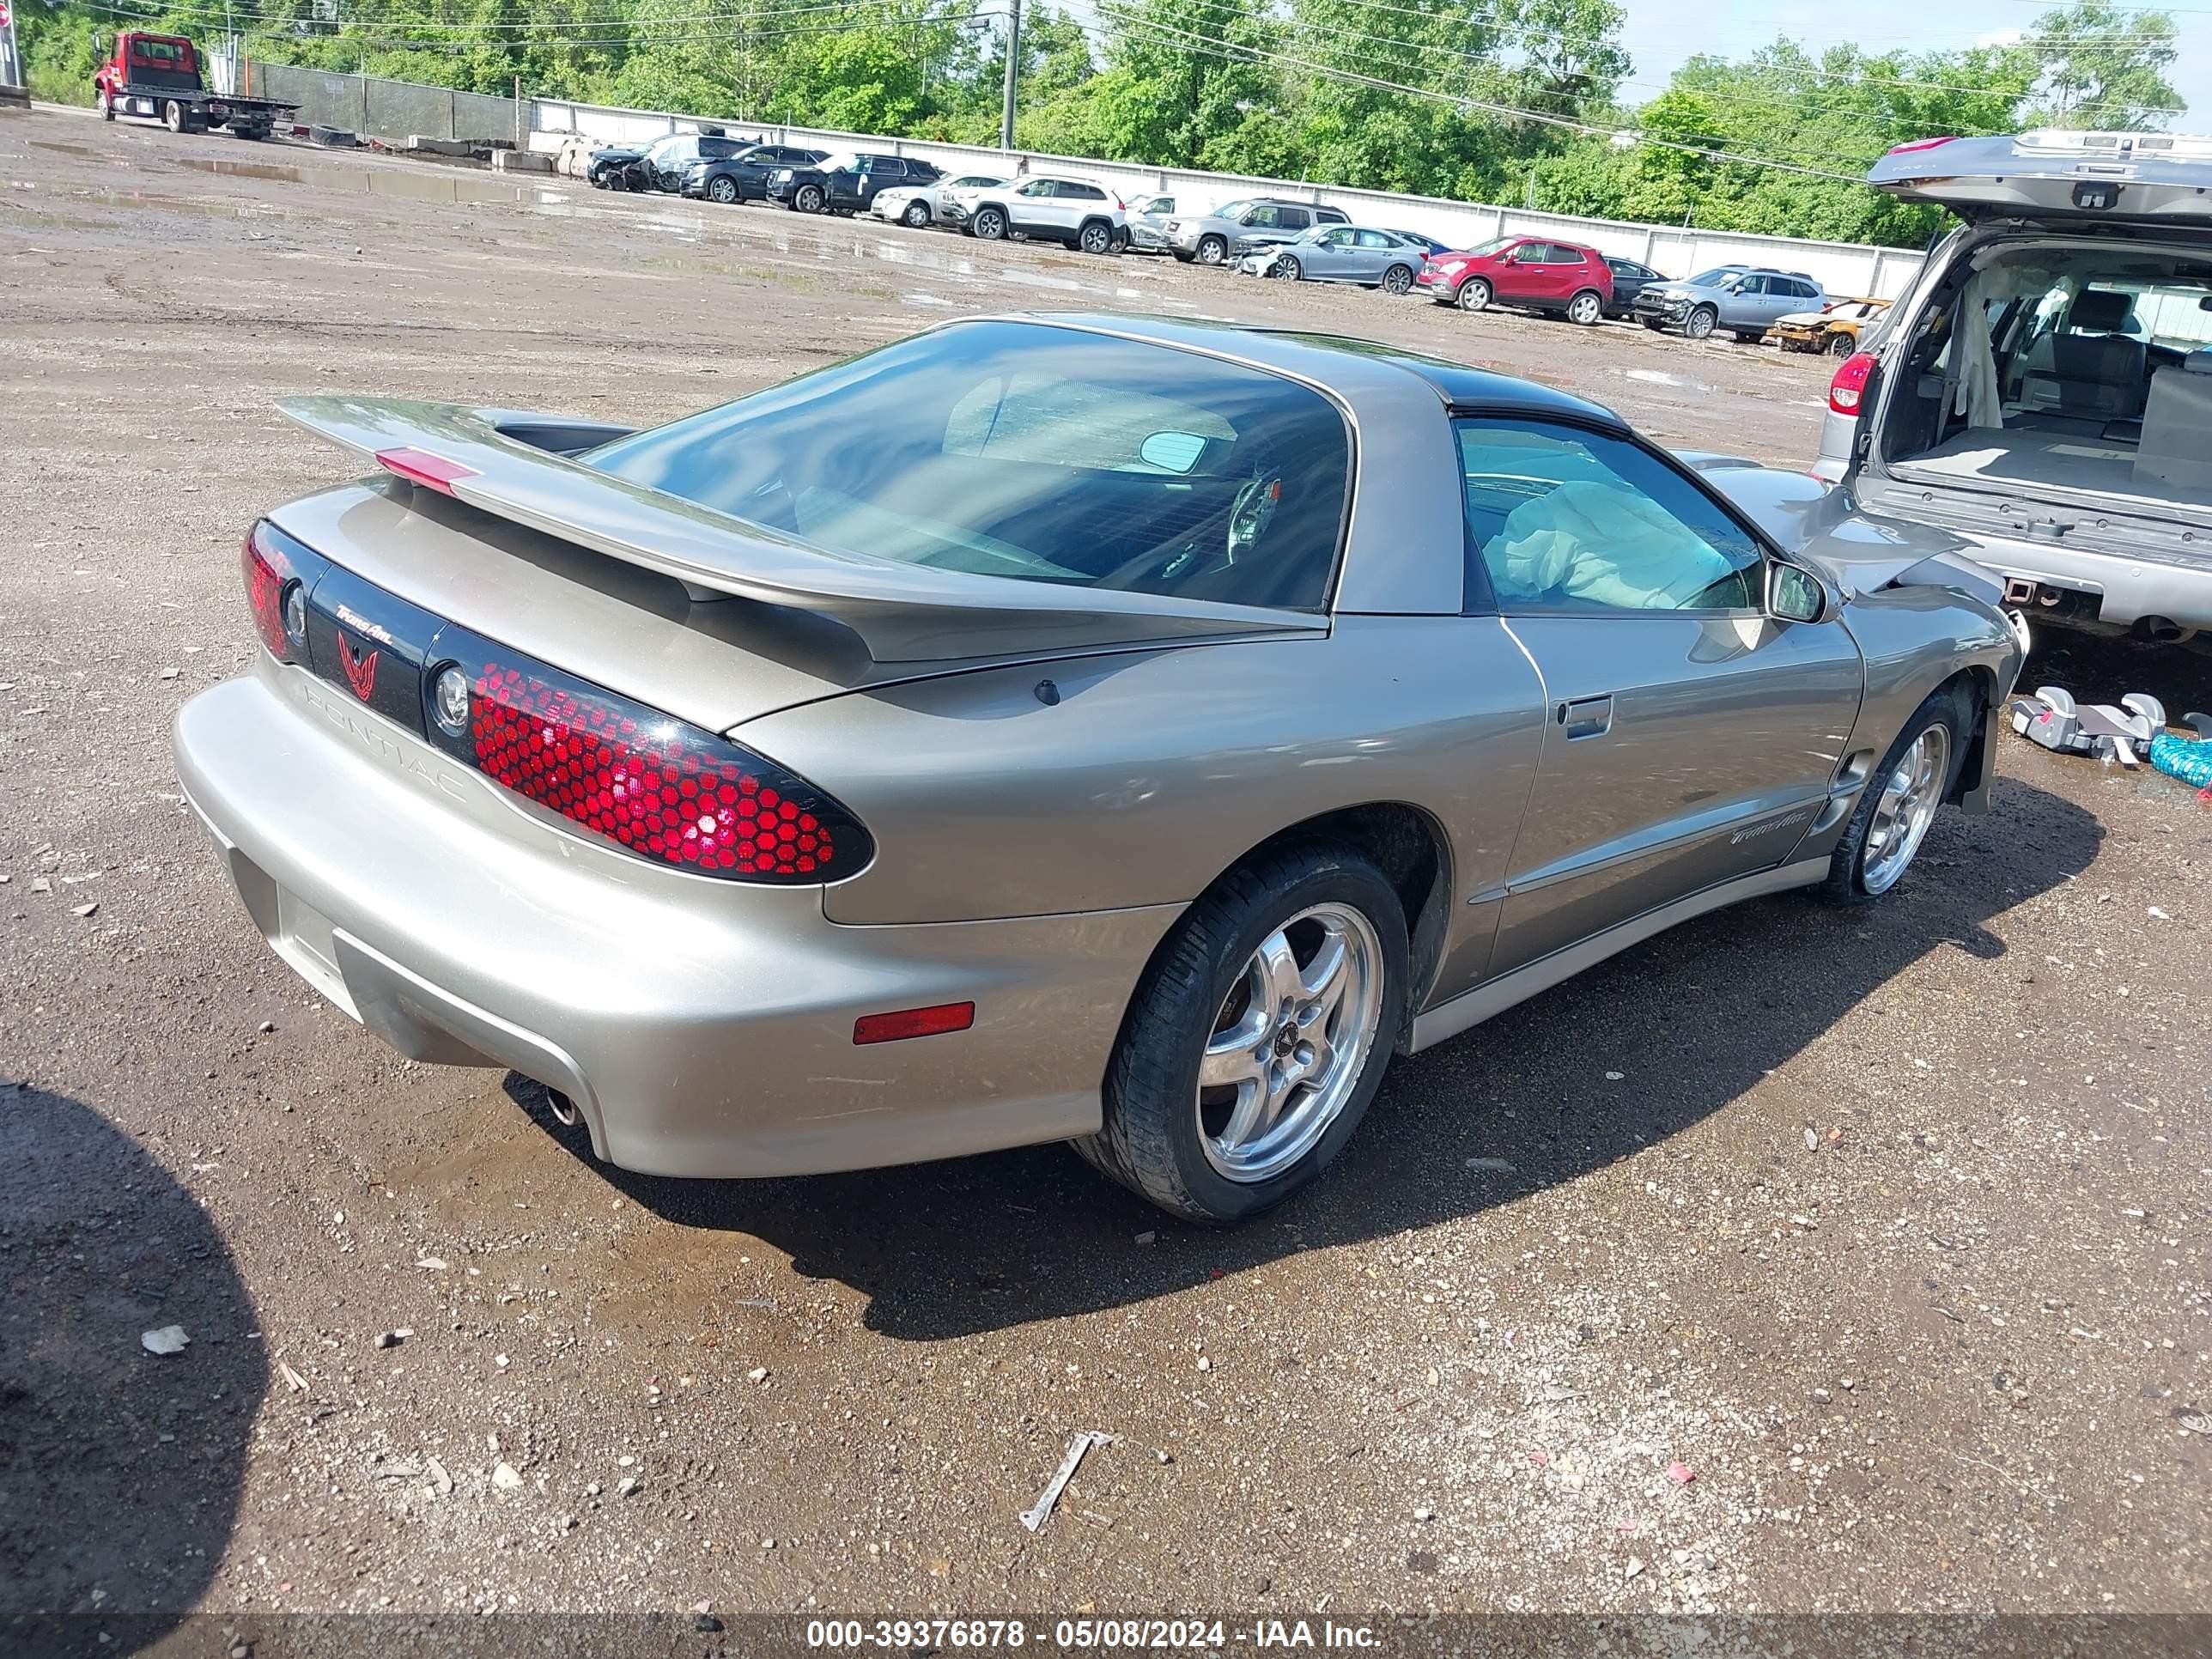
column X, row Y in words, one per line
column 1013, row 73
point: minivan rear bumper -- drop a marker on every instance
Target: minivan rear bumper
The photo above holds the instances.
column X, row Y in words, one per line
column 702, row 1027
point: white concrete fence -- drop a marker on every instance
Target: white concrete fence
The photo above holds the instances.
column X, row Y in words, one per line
column 1841, row 268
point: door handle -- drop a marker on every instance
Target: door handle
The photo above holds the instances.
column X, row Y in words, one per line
column 1586, row 717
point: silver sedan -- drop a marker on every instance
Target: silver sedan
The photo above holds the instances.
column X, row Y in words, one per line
column 1339, row 253
column 1121, row 731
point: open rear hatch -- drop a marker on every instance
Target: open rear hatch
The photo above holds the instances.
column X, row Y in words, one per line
column 2153, row 177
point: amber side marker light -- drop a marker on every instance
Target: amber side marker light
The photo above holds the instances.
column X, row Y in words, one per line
column 914, row 1022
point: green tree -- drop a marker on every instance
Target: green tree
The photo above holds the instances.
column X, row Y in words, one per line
column 2102, row 67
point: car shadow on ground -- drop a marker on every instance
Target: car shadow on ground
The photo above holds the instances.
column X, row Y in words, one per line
column 120, row 1471
column 1691, row 1019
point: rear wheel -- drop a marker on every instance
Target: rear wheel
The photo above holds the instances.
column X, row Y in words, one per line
column 722, row 188
column 989, row 223
column 1586, row 308
column 172, row 115
column 1399, row 279
column 1841, row 344
column 1211, row 250
column 1474, row 294
column 1701, row 322
column 1901, row 799
column 1257, row 1037
column 1096, row 237
column 916, row 214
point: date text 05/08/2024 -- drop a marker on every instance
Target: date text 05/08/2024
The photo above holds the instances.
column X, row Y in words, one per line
column 1120, row 1635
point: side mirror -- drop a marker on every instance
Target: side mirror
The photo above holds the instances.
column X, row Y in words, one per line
column 1796, row 595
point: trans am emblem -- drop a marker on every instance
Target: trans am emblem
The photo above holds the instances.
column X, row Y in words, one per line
column 360, row 672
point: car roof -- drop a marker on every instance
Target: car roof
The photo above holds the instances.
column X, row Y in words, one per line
column 1327, row 358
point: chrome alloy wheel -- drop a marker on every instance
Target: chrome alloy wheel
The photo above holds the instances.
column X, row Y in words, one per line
column 1290, row 1043
column 1905, row 809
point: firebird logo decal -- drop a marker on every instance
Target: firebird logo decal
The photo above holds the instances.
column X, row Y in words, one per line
column 360, row 672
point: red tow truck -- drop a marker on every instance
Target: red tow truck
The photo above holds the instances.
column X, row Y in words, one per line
column 159, row 76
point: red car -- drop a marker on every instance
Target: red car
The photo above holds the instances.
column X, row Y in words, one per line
column 1522, row 270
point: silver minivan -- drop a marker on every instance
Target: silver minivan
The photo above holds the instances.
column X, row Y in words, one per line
column 2044, row 386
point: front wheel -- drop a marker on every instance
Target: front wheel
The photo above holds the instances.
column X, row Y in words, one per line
column 989, row 223
column 1586, row 308
column 1901, row 798
column 1701, row 323
column 1257, row 1037
column 1398, row 280
column 916, row 216
column 1474, row 294
column 1289, row 268
column 106, row 105
column 809, row 199
column 722, row 188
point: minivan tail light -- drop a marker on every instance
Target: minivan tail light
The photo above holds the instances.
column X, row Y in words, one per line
column 643, row 780
column 1848, row 389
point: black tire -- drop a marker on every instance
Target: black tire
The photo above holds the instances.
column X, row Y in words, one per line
column 1183, row 259
column 916, row 216
column 1747, row 336
column 106, row 103
column 1095, row 237
column 989, row 223
column 1951, row 706
column 1211, row 250
column 1398, row 280
column 722, row 188
column 808, row 198
column 1288, row 268
column 172, row 115
column 1840, row 344
column 1700, row 324
column 1655, row 325
column 1472, row 295
column 1150, row 1138
column 1586, row 309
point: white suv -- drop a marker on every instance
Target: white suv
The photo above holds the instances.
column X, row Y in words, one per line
column 1049, row 208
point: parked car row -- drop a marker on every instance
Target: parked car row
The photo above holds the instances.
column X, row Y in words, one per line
column 1263, row 236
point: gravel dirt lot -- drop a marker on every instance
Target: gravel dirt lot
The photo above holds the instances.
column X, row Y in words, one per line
column 1888, row 1230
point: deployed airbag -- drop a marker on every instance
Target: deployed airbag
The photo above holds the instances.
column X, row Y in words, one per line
column 1603, row 544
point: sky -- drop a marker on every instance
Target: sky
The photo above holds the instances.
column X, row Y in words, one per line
column 1656, row 38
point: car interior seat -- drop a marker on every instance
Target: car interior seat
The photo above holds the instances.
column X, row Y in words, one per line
column 2090, row 367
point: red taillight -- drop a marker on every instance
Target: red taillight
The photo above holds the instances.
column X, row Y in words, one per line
column 1917, row 144
column 1849, row 387
column 914, row 1022
column 666, row 790
column 277, row 574
column 420, row 466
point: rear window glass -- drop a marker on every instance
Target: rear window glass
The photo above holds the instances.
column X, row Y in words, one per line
column 1035, row 453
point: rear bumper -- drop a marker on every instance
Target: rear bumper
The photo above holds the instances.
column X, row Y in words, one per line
column 702, row 1028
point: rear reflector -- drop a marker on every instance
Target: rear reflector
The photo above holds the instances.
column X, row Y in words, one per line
column 1848, row 389
column 663, row 789
column 420, row 466
column 914, row 1022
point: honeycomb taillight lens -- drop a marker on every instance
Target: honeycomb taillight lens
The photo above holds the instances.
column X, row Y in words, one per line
column 664, row 789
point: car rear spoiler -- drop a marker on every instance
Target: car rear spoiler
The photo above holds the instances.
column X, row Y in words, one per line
column 501, row 463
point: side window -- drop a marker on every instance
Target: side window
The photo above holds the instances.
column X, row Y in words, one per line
column 1331, row 216
column 1566, row 519
column 1037, row 187
column 1265, row 216
column 1083, row 193
column 1374, row 239
column 1295, row 218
